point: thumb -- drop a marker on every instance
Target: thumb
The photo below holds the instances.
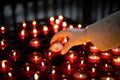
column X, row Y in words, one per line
column 66, row 47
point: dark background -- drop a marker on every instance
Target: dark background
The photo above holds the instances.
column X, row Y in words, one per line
column 82, row 11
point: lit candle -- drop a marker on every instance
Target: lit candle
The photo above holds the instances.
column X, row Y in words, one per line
column 35, row 57
column 107, row 78
column 68, row 67
column 43, row 65
column 81, row 63
column 23, row 34
column 28, row 69
column 70, row 26
column 64, row 25
column 34, row 32
column 107, row 67
column 94, row 49
column 93, row 71
column 5, row 66
column 116, row 51
column 48, row 54
column 34, row 24
column 35, row 43
column 116, row 61
column 55, row 28
column 2, row 29
column 14, row 55
column 52, row 20
column 24, row 25
column 57, row 21
column 60, row 17
column 3, row 44
column 79, row 75
column 106, row 55
column 79, row 26
column 45, row 30
column 71, row 56
column 56, row 47
column 94, row 58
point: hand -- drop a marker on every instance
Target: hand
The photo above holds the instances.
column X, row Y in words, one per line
column 75, row 37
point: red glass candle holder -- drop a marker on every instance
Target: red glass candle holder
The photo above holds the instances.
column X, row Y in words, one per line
column 115, row 51
column 14, row 55
column 106, row 67
column 35, row 32
column 5, row 66
column 68, row 67
column 24, row 25
column 2, row 30
column 44, row 65
column 23, row 34
column 105, row 55
column 3, row 44
column 71, row 56
column 35, row 43
column 93, row 70
column 81, row 63
column 35, row 57
column 45, row 30
column 27, row 70
column 107, row 76
column 48, row 54
column 94, row 49
column 53, row 73
column 34, row 24
column 116, row 61
column 80, row 75
column 10, row 76
column 94, row 58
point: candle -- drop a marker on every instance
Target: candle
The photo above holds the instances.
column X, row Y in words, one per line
column 81, row 63
column 35, row 43
column 38, row 76
column 35, row 32
column 45, row 30
column 64, row 25
column 60, row 17
column 116, row 51
column 116, row 61
column 55, row 28
column 24, row 25
column 48, row 54
column 27, row 69
column 107, row 78
column 93, row 71
column 34, row 24
column 23, row 34
column 93, row 58
column 68, row 67
column 53, row 73
column 65, row 77
column 52, row 20
column 5, row 66
column 2, row 29
column 57, row 21
column 79, row 75
column 14, row 55
column 106, row 55
column 107, row 67
column 3, row 44
column 56, row 47
column 10, row 76
column 35, row 57
column 94, row 49
column 71, row 56
column 70, row 26
column 43, row 65
column 79, row 26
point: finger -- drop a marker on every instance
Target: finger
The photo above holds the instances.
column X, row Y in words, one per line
column 66, row 47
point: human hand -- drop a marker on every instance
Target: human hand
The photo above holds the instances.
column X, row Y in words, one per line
column 75, row 37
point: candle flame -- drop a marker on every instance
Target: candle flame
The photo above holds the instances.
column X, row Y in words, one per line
column 79, row 25
column 93, row 69
column 106, row 65
column 34, row 31
column 69, row 66
column 53, row 71
column 57, row 21
column 45, row 28
column 42, row 63
column 80, row 75
column 60, row 17
column 72, row 55
column 3, row 64
column 2, row 42
column 35, row 57
column 23, row 32
column 14, row 53
column 36, row 76
column 27, row 68
column 82, row 61
column 70, row 26
column 64, row 24
column 52, row 19
column 107, row 78
column 56, row 26
column 24, row 24
column 9, row 74
column 2, row 28
column 34, row 22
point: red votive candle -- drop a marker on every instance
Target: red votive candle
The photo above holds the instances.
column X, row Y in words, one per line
column 116, row 61
column 2, row 29
column 93, row 58
column 94, row 49
column 35, row 57
column 5, row 66
column 93, row 71
column 79, row 75
column 27, row 69
column 68, row 67
column 14, row 55
column 105, row 55
column 34, row 24
column 35, row 32
column 3, row 44
column 48, row 54
column 71, row 56
column 23, row 34
column 35, row 43
column 45, row 30
column 44, row 65
column 116, row 51
column 24, row 25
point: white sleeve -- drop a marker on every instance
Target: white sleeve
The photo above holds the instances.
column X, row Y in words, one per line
column 105, row 34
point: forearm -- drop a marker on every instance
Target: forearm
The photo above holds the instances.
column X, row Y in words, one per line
column 105, row 34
